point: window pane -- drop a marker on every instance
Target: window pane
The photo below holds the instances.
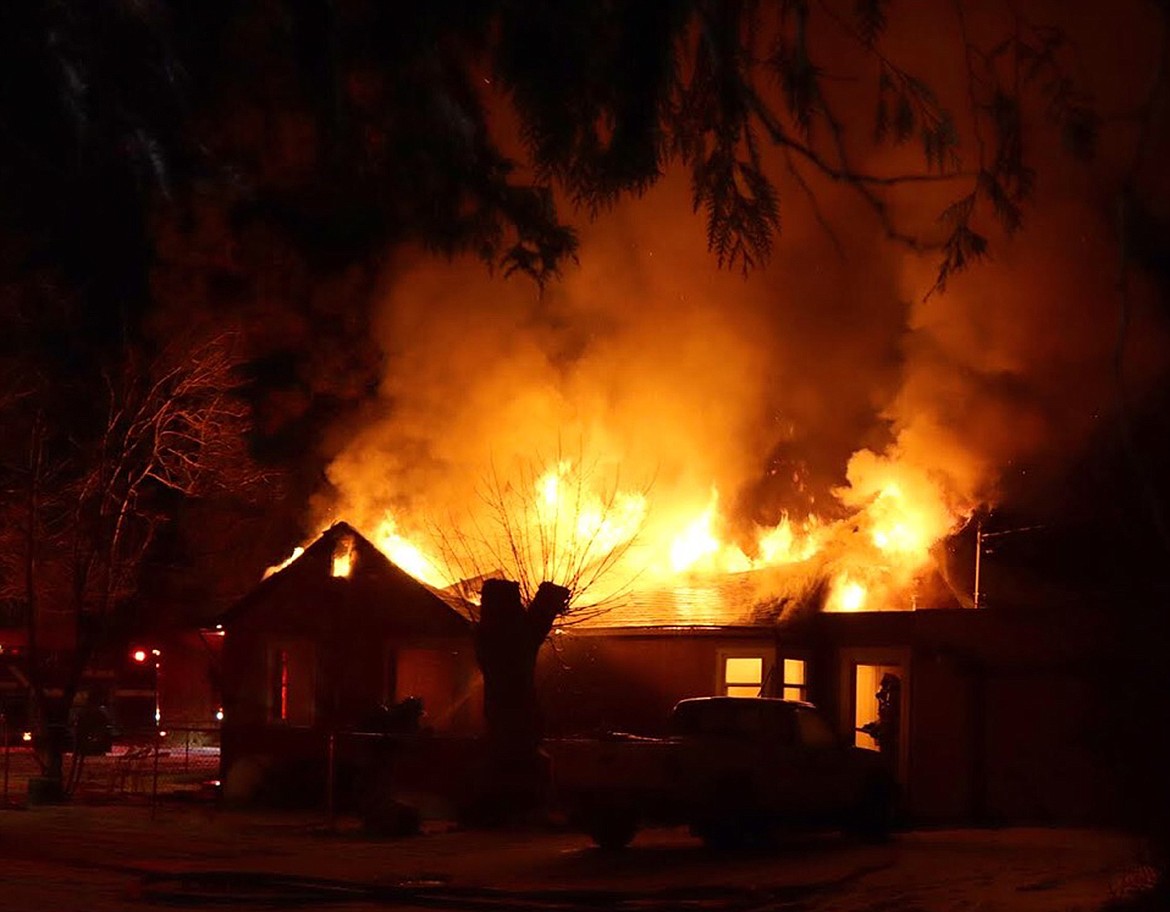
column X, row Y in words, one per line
column 282, row 660
column 292, row 693
column 794, row 693
column 794, row 671
column 744, row 671
column 743, row 690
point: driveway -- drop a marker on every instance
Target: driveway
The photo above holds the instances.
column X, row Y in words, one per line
column 119, row 858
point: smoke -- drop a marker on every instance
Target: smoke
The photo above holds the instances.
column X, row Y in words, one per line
column 809, row 388
column 654, row 364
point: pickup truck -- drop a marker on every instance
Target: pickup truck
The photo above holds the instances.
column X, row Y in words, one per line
column 735, row 769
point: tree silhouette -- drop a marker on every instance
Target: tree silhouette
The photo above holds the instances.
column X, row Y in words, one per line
column 89, row 488
column 354, row 127
column 548, row 540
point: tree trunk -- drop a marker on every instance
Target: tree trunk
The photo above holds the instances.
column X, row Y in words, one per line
column 508, row 638
column 50, row 725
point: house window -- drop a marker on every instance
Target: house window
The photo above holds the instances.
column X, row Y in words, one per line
column 292, row 684
column 743, row 676
column 795, row 683
column 282, row 683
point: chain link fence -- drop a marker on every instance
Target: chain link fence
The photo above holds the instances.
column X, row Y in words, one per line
column 144, row 765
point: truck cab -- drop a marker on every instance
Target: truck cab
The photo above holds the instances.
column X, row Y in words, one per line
column 735, row 769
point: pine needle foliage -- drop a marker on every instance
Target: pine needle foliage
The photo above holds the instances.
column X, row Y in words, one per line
column 355, row 127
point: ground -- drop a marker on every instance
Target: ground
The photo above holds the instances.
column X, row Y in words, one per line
column 121, row 857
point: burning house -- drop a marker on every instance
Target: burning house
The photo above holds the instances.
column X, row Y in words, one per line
column 995, row 715
column 326, row 640
column 990, row 716
column 765, row 476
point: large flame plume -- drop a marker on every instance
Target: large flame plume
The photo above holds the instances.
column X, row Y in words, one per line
column 644, row 406
column 666, row 422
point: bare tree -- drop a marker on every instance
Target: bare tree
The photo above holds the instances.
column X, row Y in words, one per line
column 547, row 540
column 559, row 520
column 167, row 426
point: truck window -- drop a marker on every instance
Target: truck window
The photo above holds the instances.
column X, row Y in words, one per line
column 719, row 719
column 814, row 731
column 735, row 718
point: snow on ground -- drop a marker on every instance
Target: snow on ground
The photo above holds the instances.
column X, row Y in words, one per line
column 119, row 857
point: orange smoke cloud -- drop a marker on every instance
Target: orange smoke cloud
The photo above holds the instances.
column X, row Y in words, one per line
column 823, row 411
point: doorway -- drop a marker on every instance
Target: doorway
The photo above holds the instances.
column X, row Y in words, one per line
column 862, row 670
column 870, row 681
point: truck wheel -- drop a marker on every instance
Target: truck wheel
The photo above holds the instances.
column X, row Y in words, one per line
column 735, row 833
column 613, row 831
column 876, row 813
column 721, row 835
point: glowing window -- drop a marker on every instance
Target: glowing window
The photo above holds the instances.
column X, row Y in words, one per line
column 743, row 676
column 282, row 663
column 795, row 684
column 867, row 712
column 291, row 687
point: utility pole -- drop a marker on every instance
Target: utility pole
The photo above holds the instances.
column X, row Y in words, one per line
column 978, row 558
column 980, row 538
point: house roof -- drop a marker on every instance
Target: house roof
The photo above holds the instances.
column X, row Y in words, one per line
column 380, row 584
column 756, row 598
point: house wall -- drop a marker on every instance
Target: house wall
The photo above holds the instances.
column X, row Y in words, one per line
column 942, row 755
column 1000, row 710
column 361, row 654
column 629, row 680
column 1003, row 711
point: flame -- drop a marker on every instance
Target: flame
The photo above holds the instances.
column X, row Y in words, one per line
column 296, row 552
column 783, row 544
column 343, row 557
column 407, row 555
column 846, row 594
column 871, row 557
column 696, row 541
column 549, row 486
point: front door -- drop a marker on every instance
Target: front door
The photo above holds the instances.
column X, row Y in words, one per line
column 879, row 710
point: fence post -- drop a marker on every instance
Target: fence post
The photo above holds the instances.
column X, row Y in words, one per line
column 154, row 778
column 330, row 772
column 7, row 749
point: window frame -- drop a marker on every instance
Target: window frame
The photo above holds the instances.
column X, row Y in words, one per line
column 799, row 687
column 284, row 655
column 767, row 655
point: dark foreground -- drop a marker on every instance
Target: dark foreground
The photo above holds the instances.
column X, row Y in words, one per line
column 119, row 857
